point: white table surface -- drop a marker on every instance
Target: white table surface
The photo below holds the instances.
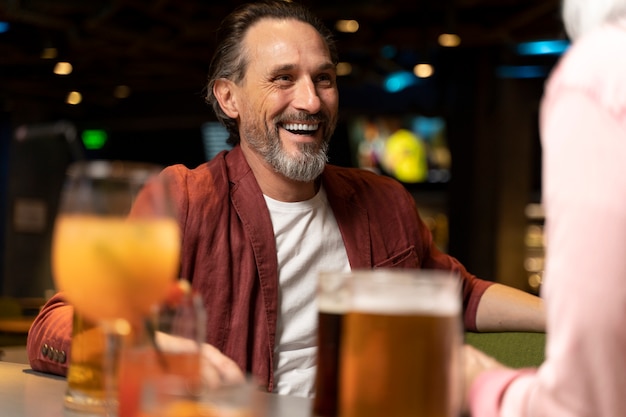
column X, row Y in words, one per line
column 25, row 393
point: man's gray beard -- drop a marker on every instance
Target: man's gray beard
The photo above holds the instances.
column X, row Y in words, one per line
column 306, row 166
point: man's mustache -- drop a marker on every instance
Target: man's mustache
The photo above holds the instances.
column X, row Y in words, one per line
column 303, row 117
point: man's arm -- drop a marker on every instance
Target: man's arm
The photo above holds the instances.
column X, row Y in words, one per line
column 49, row 338
column 503, row 308
column 49, row 342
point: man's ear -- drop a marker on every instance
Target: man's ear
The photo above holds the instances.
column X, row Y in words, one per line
column 224, row 92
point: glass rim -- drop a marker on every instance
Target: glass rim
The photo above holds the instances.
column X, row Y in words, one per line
column 98, row 169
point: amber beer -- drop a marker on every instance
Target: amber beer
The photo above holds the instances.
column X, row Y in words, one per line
column 327, row 376
column 401, row 347
column 85, row 375
column 332, row 300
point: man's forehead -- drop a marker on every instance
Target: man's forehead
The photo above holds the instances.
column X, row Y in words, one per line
column 271, row 21
column 270, row 33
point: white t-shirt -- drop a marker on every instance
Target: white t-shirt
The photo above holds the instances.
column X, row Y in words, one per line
column 307, row 241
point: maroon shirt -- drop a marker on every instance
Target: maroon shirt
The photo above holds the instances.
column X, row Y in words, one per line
column 229, row 254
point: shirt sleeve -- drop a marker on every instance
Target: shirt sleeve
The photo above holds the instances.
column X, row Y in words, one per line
column 49, row 337
column 473, row 287
column 496, row 382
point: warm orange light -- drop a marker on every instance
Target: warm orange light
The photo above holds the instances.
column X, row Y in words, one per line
column 534, row 281
column 344, row 68
column 449, row 40
column 423, row 70
column 63, row 68
column 347, row 26
column 74, row 97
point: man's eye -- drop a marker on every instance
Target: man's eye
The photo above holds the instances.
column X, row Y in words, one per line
column 283, row 78
column 325, row 79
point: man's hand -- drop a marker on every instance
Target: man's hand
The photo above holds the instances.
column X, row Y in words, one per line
column 219, row 369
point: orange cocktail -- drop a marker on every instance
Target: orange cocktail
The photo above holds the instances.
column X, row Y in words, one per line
column 113, row 267
column 115, row 254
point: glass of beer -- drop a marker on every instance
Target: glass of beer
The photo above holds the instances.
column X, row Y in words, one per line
column 401, row 345
column 333, row 300
column 85, row 376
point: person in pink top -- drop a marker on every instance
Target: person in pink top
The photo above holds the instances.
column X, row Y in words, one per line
column 583, row 134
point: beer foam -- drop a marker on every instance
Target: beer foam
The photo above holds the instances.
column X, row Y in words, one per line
column 406, row 297
column 337, row 302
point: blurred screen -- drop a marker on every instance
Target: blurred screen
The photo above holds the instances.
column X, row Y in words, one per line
column 411, row 148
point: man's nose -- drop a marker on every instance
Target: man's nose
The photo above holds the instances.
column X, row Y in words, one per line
column 306, row 97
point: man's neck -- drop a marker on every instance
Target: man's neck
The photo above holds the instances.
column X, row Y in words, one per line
column 275, row 185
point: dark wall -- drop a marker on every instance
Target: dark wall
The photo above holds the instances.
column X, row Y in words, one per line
column 4, row 181
column 496, row 162
column 35, row 171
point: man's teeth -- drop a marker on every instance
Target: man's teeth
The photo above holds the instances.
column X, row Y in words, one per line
column 301, row 126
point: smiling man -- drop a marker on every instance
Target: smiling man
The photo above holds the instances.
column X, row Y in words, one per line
column 261, row 221
column 285, row 105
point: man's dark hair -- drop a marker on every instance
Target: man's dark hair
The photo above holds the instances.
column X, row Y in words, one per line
column 229, row 60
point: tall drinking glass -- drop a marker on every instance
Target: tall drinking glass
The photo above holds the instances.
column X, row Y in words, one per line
column 401, row 345
column 85, row 377
column 333, row 302
column 114, row 267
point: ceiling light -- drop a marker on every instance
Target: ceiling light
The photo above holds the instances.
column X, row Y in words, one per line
column 63, row 68
column 423, row 70
column 347, row 26
column 344, row 68
column 74, row 97
column 449, row 40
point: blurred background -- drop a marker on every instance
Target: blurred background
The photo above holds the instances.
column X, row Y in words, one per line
column 443, row 95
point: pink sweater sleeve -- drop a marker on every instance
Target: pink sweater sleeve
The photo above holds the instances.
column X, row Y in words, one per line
column 486, row 394
column 49, row 338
